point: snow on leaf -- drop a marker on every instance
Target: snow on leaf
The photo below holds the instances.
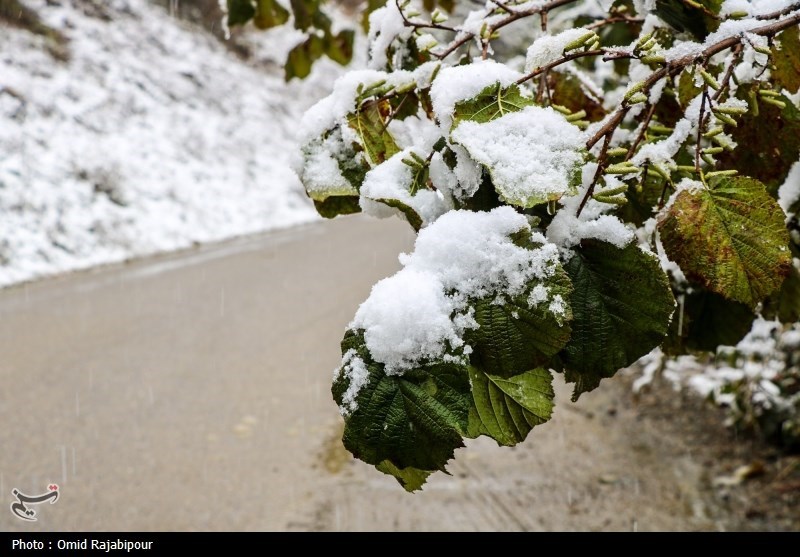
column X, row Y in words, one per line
column 414, row 420
column 621, row 305
column 525, row 331
column 533, row 155
column 399, row 186
column 506, row 409
column 491, row 103
column 730, row 238
column 369, row 125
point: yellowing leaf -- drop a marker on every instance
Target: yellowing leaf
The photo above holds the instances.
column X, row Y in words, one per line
column 730, row 238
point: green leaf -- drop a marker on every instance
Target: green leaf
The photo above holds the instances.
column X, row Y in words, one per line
column 337, row 205
column 785, row 304
column 412, row 420
column 730, row 238
column 512, row 337
column 411, row 215
column 687, row 90
column 768, row 144
column 507, row 409
column 370, row 126
column 568, row 91
column 786, row 58
column 302, row 57
column 240, row 12
column 621, row 304
column 339, row 48
column 685, row 17
column 643, row 198
column 405, row 105
column 412, row 479
column 713, row 321
column 491, row 103
column 308, row 13
column 269, row 13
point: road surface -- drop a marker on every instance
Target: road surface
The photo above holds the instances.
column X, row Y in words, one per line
column 191, row 392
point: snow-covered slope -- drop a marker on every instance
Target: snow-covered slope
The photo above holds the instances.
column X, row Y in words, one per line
column 151, row 137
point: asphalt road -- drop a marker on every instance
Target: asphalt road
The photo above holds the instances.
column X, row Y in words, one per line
column 191, row 392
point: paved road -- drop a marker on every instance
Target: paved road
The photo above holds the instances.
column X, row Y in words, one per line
column 191, row 392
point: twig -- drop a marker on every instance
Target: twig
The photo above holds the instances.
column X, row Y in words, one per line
column 674, row 67
column 779, row 13
column 422, row 24
column 564, row 60
column 601, row 164
column 615, row 19
column 738, row 50
column 700, row 130
column 517, row 15
column 642, row 132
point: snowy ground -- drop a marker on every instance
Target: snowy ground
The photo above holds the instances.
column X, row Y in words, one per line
column 151, row 137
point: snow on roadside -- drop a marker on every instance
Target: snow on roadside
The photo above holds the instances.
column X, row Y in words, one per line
column 152, row 137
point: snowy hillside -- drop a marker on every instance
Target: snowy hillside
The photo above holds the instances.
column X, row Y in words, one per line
column 151, row 136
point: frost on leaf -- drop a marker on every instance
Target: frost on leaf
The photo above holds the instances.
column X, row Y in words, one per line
column 533, row 155
column 506, row 409
column 730, row 238
column 621, row 303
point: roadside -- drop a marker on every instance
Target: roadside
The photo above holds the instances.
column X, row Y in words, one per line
column 192, row 392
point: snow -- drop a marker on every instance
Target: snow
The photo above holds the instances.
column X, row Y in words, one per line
column 549, row 48
column 468, row 173
column 662, row 152
column 470, row 253
column 566, row 230
column 420, row 313
column 392, row 180
column 153, row 136
column 406, row 320
column 320, row 171
column 385, row 25
column 789, row 192
column 325, row 114
column 357, row 374
column 531, row 153
column 458, row 83
column 753, row 7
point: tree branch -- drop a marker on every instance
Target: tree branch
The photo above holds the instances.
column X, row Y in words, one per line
column 676, row 66
column 512, row 17
column 564, row 60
